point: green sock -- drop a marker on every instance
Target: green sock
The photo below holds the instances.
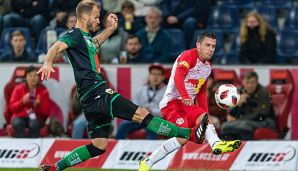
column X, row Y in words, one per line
column 165, row 128
column 77, row 156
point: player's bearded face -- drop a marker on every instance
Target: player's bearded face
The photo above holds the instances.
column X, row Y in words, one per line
column 93, row 20
column 206, row 48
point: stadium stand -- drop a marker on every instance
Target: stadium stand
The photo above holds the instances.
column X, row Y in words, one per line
column 177, row 44
column 278, row 4
column 226, row 76
column 42, row 44
column 244, row 4
column 224, row 18
column 292, row 19
column 287, row 46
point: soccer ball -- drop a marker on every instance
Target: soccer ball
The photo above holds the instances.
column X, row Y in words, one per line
column 227, row 96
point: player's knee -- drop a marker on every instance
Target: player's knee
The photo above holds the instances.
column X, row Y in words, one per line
column 182, row 141
column 140, row 115
column 94, row 151
column 100, row 143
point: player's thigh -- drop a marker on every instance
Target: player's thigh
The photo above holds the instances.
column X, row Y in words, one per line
column 175, row 115
column 195, row 115
column 122, row 108
column 99, row 121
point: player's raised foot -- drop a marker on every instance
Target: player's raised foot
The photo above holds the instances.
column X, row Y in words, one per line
column 143, row 165
column 225, row 146
column 201, row 129
column 48, row 168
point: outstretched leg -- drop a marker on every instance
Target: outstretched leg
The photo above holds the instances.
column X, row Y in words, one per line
column 79, row 155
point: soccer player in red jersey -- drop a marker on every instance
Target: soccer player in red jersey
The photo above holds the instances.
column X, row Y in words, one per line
column 185, row 101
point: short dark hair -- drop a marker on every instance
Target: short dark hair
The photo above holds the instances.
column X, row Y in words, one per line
column 29, row 69
column 85, row 7
column 202, row 36
column 17, row 33
column 250, row 74
column 127, row 4
column 131, row 36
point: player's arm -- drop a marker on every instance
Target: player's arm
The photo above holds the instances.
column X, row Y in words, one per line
column 111, row 26
column 47, row 67
column 184, row 63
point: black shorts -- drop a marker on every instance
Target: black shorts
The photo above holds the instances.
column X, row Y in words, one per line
column 101, row 106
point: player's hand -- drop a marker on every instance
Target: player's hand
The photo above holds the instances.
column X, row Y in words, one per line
column 37, row 101
column 45, row 71
column 243, row 99
column 26, row 98
column 187, row 102
column 112, row 21
column 230, row 118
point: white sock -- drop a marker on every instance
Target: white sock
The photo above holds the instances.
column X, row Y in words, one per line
column 211, row 135
column 162, row 151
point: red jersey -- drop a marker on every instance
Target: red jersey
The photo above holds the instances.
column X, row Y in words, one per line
column 188, row 79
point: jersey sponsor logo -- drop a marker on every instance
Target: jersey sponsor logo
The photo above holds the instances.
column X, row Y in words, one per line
column 184, row 63
column 180, row 121
column 109, row 91
column 90, row 43
column 164, row 129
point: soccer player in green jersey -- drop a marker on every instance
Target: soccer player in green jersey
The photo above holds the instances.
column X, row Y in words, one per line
column 100, row 103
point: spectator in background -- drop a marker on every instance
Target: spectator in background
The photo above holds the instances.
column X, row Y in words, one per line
column 18, row 53
column 155, row 40
column 132, row 51
column 127, row 19
column 187, row 15
column 112, row 46
column 254, row 110
column 148, row 96
column 28, row 13
column 29, row 104
column 258, row 41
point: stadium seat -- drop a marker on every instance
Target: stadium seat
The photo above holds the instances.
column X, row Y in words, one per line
column 219, row 51
column 287, row 46
column 225, row 19
column 42, row 44
column 226, row 76
column 6, row 36
column 17, row 77
column 232, row 57
column 292, row 19
column 243, row 4
column 281, row 88
column 269, row 13
column 278, row 4
column 177, row 44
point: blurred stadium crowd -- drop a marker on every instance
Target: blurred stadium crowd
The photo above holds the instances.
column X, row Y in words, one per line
column 152, row 31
